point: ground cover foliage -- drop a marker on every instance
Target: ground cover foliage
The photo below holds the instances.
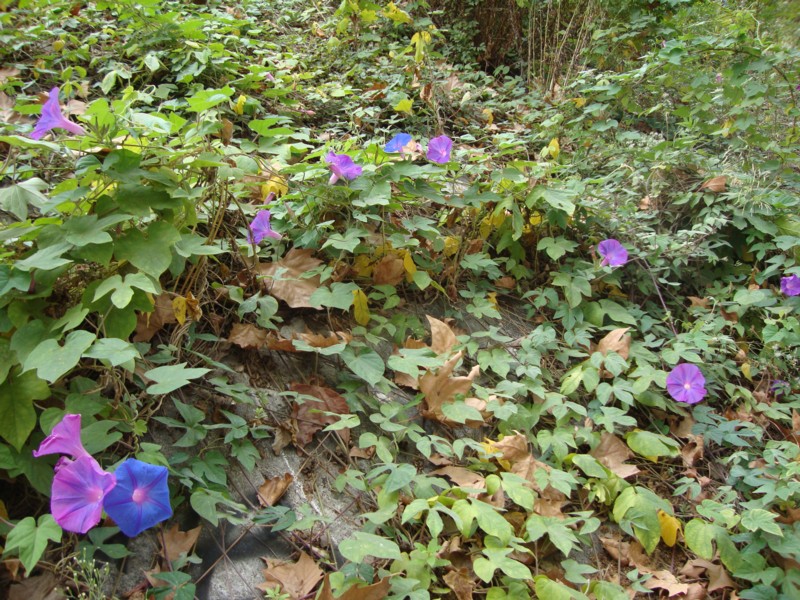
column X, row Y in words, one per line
column 133, row 263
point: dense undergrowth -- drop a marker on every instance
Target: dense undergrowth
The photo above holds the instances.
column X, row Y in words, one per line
column 128, row 270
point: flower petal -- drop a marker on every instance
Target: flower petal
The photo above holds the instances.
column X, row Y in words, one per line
column 77, row 494
column 397, row 143
column 64, row 439
column 51, row 118
column 439, row 149
column 614, row 254
column 141, row 498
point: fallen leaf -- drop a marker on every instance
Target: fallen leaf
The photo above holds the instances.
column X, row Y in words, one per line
column 284, row 279
column 646, row 203
column 273, row 489
column 176, row 542
column 612, row 453
column 367, row 453
column 440, row 388
column 310, row 416
column 462, row 477
column 692, row 451
column 506, row 283
column 321, row 341
column 283, row 437
column 295, row 579
column 715, row 184
column 665, row 580
column 148, row 324
column 670, row 526
column 376, row 591
column 389, row 270
column 38, row 587
column 460, row 582
column 694, row 301
column 443, row 338
column 248, row 336
column 616, row 341
column 718, row 577
column 627, row 553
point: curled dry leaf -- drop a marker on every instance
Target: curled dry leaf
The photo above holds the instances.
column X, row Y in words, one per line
column 463, row 477
column 441, row 388
column 389, row 270
column 461, row 583
column 176, row 542
column 273, row 489
column 309, row 415
column 297, row 579
column 248, row 336
column 284, row 279
column 38, row 587
column 376, row 591
column 148, row 324
column 612, row 453
column 627, row 553
column 665, row 580
column 616, row 341
column 443, row 338
column 715, row 184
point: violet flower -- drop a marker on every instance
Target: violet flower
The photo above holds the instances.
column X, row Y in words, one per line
column 790, row 285
column 52, row 118
column 77, row 494
column 439, row 149
column 64, row 439
column 140, row 498
column 685, row 383
column 614, row 254
column 341, row 166
column 260, row 228
column 398, row 143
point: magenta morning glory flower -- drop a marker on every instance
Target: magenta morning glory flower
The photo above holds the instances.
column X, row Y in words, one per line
column 614, row 254
column 685, row 383
column 76, row 498
column 439, row 149
column 790, row 285
column 51, row 118
column 398, row 143
column 140, row 498
column 341, row 166
column 261, row 228
column 64, row 439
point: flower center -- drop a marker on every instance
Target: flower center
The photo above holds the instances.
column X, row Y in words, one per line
column 95, row 494
column 138, row 495
column 687, row 386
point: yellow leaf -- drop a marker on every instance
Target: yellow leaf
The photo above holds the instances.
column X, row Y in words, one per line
column 485, row 227
column 492, row 296
column 579, row 102
column 179, row 308
column 360, row 307
column 409, row 266
column 451, row 245
column 362, row 265
column 420, row 40
column 238, row 108
column 58, row 45
column 746, row 371
column 397, row 15
column 554, row 148
column 276, row 184
column 368, row 16
column 535, row 219
column 670, row 526
column 486, row 112
column 405, row 106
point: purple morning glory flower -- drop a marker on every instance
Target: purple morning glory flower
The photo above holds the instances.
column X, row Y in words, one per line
column 439, row 149
column 140, row 498
column 261, row 228
column 398, row 143
column 790, row 285
column 51, row 118
column 685, row 383
column 341, row 166
column 79, row 488
column 614, row 254
column 64, row 439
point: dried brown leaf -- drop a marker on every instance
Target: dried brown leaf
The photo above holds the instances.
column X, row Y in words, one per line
column 295, row 579
column 283, row 437
column 309, row 416
column 461, row 583
column 273, row 489
column 665, row 580
column 376, row 591
column 443, row 338
column 176, row 542
column 715, row 184
column 389, row 270
column 695, row 301
column 616, row 341
column 247, row 335
column 148, row 324
column 462, row 477
column 38, row 587
column 440, row 387
column 283, row 278
column 612, row 453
